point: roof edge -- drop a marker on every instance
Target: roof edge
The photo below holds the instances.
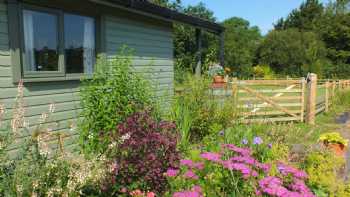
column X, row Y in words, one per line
column 146, row 7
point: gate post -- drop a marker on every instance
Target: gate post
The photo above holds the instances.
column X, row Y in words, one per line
column 327, row 103
column 311, row 99
column 303, row 88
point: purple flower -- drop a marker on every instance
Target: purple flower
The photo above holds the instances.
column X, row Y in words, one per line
column 211, row 156
column 257, row 141
column 221, row 133
column 245, row 141
column 269, row 145
column 171, row 172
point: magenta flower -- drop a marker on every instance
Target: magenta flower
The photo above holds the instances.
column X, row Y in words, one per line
column 190, row 175
column 215, row 157
column 186, row 162
column 242, row 151
column 171, row 172
column 289, row 170
column 199, row 165
column 196, row 191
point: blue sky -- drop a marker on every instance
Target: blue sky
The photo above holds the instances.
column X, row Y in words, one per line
column 262, row 13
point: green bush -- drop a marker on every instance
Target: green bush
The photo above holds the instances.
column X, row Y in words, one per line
column 114, row 92
column 323, row 168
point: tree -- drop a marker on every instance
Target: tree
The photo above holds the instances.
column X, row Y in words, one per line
column 293, row 52
column 241, row 43
column 306, row 17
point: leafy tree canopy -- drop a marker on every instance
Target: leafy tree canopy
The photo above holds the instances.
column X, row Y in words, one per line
column 292, row 52
column 241, row 42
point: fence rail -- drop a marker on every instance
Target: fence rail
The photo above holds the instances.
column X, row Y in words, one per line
column 280, row 100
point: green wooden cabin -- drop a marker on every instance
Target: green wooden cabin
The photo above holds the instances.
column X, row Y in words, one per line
column 51, row 44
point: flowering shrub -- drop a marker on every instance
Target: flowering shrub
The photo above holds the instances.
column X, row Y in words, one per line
column 234, row 171
column 144, row 155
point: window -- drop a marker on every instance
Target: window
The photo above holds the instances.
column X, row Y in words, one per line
column 57, row 43
column 79, row 33
column 40, row 41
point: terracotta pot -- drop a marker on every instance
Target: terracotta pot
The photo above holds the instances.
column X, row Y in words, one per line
column 219, row 79
column 338, row 149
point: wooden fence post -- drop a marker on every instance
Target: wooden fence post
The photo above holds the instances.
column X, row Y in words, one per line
column 326, row 102
column 311, row 99
column 302, row 112
column 235, row 91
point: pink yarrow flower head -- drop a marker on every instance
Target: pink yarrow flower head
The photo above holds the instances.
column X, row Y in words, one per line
column 215, row 157
column 241, row 151
column 198, row 166
column 196, row 191
column 151, row 194
column 171, row 172
column 289, row 170
column 186, row 162
column 190, row 175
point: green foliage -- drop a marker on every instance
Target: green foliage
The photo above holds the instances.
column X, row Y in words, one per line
column 331, row 24
column 195, row 112
column 322, row 168
column 241, row 43
column 292, row 52
column 264, row 71
column 306, row 17
column 114, row 92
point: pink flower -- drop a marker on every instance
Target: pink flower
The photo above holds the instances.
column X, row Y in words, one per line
column 123, row 190
column 190, row 175
column 137, row 193
column 199, row 165
column 215, row 157
column 196, row 191
column 197, row 188
column 151, row 194
column 186, row 162
column 171, row 172
column 242, row 151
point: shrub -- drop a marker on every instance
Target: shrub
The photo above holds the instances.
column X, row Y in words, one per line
column 114, row 92
column 323, row 168
column 143, row 150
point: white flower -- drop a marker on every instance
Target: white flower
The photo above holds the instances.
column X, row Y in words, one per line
column 125, row 137
column 91, row 136
column 112, row 145
column 52, row 108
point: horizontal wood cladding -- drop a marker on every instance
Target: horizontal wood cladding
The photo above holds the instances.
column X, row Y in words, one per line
column 152, row 45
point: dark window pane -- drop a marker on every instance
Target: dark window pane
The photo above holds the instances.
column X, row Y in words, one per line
column 41, row 41
column 79, row 34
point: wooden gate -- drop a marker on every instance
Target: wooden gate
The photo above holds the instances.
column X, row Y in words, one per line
column 269, row 100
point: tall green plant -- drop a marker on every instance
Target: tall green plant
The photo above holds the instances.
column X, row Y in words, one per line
column 114, row 92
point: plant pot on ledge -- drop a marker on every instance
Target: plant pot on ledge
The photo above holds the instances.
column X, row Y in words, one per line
column 218, row 81
column 335, row 142
column 337, row 148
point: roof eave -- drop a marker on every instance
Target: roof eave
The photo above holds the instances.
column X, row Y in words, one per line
column 168, row 14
